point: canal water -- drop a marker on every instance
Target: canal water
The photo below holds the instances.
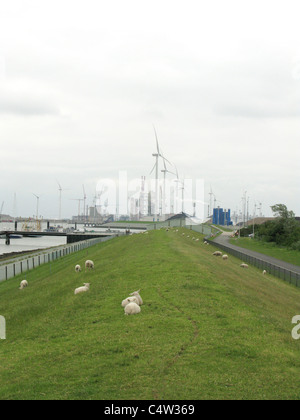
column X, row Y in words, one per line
column 28, row 244
column 42, row 242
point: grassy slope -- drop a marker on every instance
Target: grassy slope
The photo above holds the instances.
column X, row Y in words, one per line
column 269, row 248
column 208, row 329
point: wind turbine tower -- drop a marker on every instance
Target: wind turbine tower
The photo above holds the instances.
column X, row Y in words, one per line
column 60, row 198
column 37, row 206
column 84, row 201
column 210, row 202
column 157, row 155
column 165, row 171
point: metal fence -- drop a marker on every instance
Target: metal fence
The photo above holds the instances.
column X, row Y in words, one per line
column 11, row 269
column 285, row 274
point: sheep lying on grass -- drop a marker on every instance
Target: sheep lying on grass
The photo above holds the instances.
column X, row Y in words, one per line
column 23, row 284
column 82, row 289
column 132, row 308
column 243, row 265
column 132, row 304
column 77, row 268
column 225, row 257
column 138, row 296
column 89, row 265
column 128, row 300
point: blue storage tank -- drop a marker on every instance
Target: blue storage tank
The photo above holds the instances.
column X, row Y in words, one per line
column 221, row 217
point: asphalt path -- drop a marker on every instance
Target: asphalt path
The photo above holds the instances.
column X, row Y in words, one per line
column 224, row 240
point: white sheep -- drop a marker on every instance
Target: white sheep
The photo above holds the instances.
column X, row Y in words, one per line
column 132, row 309
column 138, row 296
column 82, row 289
column 129, row 300
column 264, row 272
column 77, row 268
column 243, row 265
column 225, row 257
column 23, row 284
column 89, row 264
column 217, row 253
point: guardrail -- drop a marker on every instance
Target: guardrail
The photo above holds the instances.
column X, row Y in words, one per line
column 11, row 269
column 289, row 276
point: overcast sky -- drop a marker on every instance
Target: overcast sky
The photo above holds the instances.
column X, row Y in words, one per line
column 83, row 82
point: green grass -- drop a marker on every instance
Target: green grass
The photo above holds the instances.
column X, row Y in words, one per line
column 207, row 330
column 268, row 248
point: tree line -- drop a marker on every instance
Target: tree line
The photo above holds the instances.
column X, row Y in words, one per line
column 284, row 230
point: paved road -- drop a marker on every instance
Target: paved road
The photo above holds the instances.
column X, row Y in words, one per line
column 224, row 240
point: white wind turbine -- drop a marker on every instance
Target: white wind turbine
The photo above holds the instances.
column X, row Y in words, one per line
column 37, row 205
column 1, row 210
column 60, row 198
column 178, row 181
column 157, row 155
column 165, row 171
column 84, row 201
column 210, row 202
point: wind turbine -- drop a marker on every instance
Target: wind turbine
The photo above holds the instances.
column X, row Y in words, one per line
column 210, row 201
column 1, row 210
column 165, row 171
column 60, row 194
column 37, row 206
column 157, row 155
column 177, row 180
column 84, row 200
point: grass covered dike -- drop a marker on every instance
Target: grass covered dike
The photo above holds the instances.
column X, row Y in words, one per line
column 208, row 329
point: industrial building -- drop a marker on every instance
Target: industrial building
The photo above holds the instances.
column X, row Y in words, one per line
column 222, row 217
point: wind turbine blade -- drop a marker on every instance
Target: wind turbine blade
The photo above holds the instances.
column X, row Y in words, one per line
column 165, row 166
column 153, row 168
column 157, row 145
column 59, row 186
column 165, row 159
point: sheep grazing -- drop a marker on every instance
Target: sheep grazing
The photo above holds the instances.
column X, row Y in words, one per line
column 225, row 257
column 138, row 296
column 128, row 300
column 23, row 284
column 244, row 265
column 217, row 253
column 132, row 308
column 82, row 289
column 264, row 272
column 77, row 268
column 89, row 265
